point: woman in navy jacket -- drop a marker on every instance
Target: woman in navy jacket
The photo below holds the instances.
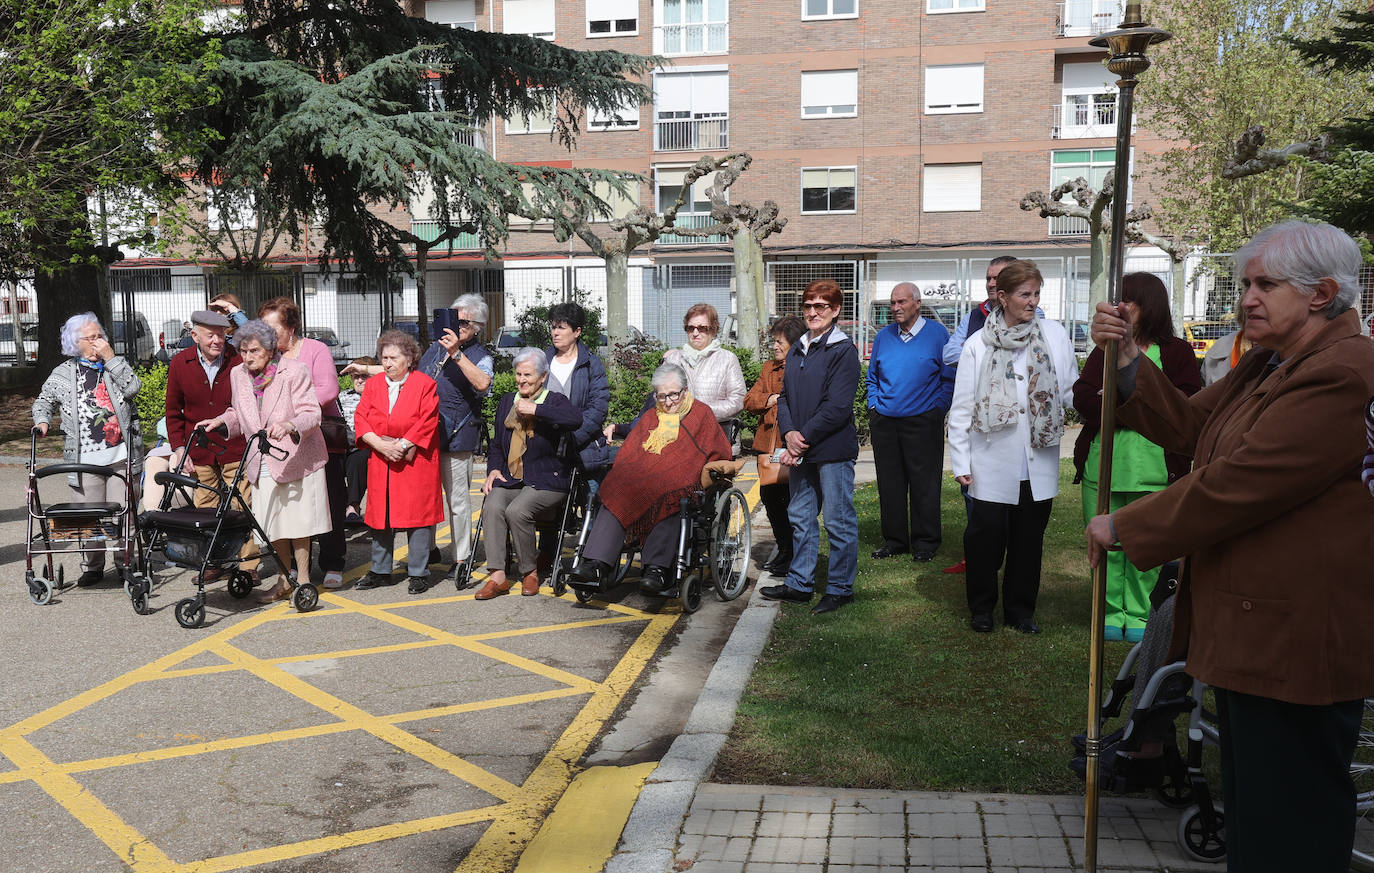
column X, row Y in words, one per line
column 580, row 376
column 816, row 420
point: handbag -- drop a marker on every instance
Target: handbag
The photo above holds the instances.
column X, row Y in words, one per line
column 335, row 432
column 771, row 472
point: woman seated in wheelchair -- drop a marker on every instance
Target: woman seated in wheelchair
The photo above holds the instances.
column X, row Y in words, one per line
column 660, row 463
column 527, row 474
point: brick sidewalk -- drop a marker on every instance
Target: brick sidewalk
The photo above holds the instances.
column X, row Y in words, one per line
column 764, row 829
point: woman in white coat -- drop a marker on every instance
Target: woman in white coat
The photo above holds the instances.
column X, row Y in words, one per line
column 1015, row 379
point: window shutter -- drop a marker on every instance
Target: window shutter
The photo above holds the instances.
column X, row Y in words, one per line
column 830, row 92
column 604, row 10
column 1090, row 78
column 952, row 187
column 528, row 16
column 710, row 94
column 955, row 88
column 628, row 115
column 451, row 12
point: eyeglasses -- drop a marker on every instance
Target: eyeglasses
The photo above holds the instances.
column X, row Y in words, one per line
column 463, row 322
column 815, row 307
column 698, row 328
column 673, row 397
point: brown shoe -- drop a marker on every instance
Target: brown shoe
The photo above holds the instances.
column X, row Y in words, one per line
column 492, row 589
column 529, row 586
column 280, row 591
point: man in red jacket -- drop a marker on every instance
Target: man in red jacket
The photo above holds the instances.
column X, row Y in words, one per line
column 197, row 389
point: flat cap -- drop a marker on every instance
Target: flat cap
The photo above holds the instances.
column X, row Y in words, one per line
column 209, row 318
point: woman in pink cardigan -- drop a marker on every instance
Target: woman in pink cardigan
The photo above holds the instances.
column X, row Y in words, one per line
column 290, row 499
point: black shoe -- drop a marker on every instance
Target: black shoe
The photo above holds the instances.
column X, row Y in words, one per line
column 654, row 580
column 418, row 584
column 1025, row 626
column 832, row 602
column 779, row 565
column 922, row 557
column 981, row 623
column 374, row 580
column 785, row 594
column 590, row 574
column 89, row 578
column 888, row 551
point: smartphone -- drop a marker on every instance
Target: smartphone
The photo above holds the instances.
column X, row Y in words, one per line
column 444, row 319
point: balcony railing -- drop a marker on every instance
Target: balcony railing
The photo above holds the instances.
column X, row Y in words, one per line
column 700, row 38
column 474, row 137
column 1063, row 225
column 692, row 135
column 692, row 221
column 429, row 231
column 1083, row 120
column 1087, row 17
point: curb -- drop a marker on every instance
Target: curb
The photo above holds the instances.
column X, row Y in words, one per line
column 649, row 840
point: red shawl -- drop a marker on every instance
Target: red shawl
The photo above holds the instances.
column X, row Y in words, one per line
column 642, row 488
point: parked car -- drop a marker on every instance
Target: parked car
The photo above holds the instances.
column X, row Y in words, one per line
column 1201, row 334
column 143, row 349
column 29, row 333
column 337, row 347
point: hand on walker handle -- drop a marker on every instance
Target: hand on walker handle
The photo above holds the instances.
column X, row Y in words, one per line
column 1113, row 323
column 41, row 429
column 1098, row 533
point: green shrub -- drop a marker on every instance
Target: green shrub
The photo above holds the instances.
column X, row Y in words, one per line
column 501, row 385
column 751, row 367
column 861, row 405
column 632, row 364
column 151, row 400
column 534, row 326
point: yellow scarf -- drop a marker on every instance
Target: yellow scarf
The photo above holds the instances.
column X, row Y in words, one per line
column 521, row 428
column 666, row 432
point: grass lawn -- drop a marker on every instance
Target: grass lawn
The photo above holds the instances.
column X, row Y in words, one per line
column 895, row 691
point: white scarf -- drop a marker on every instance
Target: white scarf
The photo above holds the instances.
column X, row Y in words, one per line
column 691, row 357
column 996, row 406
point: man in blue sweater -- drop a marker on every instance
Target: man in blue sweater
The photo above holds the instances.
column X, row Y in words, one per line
column 909, row 392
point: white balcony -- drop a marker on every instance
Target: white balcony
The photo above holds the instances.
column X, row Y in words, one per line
column 692, row 221
column 692, row 134
column 697, row 38
column 1063, row 225
column 1088, row 17
column 1084, row 120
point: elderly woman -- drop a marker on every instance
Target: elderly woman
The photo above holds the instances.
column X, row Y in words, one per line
column 397, row 418
column 659, row 464
column 1138, row 465
column 271, row 393
column 284, row 316
column 1274, row 604
column 93, row 392
column 580, row 376
column 527, row 476
column 713, row 373
column 1015, row 377
column 821, row 443
column 763, row 400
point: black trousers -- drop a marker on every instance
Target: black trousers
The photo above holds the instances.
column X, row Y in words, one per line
column 909, row 455
column 1285, row 771
column 1017, row 533
column 775, row 498
column 334, row 543
column 355, row 471
column 606, row 539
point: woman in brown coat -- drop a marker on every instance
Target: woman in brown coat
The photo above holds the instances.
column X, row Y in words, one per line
column 763, row 398
column 1276, row 599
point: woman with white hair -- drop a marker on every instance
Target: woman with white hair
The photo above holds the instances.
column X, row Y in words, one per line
column 1274, row 599
column 527, row 475
column 93, row 391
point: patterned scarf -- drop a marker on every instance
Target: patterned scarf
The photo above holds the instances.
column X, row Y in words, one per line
column 668, row 427
column 521, row 428
column 263, row 379
column 996, row 406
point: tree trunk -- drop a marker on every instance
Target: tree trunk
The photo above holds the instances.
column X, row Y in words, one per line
column 72, row 289
column 1097, row 267
column 617, row 294
column 1176, row 279
column 421, row 295
column 746, row 291
column 760, row 286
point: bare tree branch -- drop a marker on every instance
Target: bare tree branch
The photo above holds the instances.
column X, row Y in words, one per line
column 1252, row 158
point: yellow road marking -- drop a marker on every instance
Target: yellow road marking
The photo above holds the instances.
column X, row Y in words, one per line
column 379, row 728
column 585, row 825
column 132, row 847
column 503, row 841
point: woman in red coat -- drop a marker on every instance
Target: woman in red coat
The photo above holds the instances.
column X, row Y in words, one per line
column 397, row 418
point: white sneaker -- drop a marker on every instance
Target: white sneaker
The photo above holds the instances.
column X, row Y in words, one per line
column 333, row 580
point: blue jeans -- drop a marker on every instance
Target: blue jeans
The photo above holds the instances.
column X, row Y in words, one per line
column 827, row 487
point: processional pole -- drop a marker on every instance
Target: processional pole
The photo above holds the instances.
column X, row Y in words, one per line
column 1127, row 45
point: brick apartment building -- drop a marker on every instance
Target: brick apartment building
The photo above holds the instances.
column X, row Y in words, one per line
column 897, row 137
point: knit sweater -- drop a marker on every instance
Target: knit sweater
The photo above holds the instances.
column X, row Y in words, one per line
column 909, row 378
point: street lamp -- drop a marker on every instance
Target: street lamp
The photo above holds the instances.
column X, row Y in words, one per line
column 1127, row 45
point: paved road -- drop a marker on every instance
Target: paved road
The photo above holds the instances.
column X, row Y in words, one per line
column 380, row 732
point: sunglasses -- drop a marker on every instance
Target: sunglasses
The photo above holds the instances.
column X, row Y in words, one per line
column 697, row 328
column 815, row 307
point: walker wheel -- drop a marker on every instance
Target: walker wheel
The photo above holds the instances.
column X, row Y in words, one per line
column 240, row 585
column 1197, row 841
column 190, row 612
column 691, row 592
column 140, row 603
column 306, row 597
column 462, row 576
column 556, row 580
column 40, row 590
column 61, row 578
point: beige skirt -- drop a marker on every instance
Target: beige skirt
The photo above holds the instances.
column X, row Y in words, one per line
column 292, row 510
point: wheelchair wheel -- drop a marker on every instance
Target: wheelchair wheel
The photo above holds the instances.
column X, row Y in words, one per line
column 692, row 592
column 240, row 585
column 730, row 542
column 627, row 562
column 1175, row 792
column 1362, row 773
column 1198, row 841
column 190, row 613
column 306, row 597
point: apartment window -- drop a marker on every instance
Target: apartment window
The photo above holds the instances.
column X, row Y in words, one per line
column 621, row 204
column 1070, row 164
column 828, row 189
column 230, row 210
column 668, row 185
column 1088, row 102
column 691, row 27
column 612, row 17
column 530, row 17
column 830, row 9
column 454, row 13
column 538, row 121
column 830, row 93
column 955, row 5
column 692, row 111
column 954, row 88
column 952, row 188
column 622, row 118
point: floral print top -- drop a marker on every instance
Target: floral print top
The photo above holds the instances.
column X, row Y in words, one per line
column 102, row 440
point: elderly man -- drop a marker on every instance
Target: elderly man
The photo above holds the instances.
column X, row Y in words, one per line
column 909, row 389
column 463, row 369
column 198, row 389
